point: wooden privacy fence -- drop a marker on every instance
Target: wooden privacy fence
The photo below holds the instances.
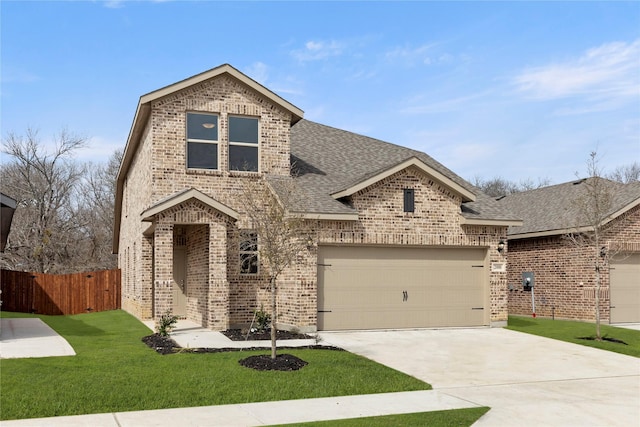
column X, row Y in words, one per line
column 60, row 293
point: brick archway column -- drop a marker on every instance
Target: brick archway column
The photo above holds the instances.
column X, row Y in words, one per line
column 162, row 269
column 218, row 315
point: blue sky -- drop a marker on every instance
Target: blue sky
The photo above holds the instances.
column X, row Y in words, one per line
column 519, row 90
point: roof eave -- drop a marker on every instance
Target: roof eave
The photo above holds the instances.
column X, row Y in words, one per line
column 327, row 216
column 549, row 233
column 494, row 222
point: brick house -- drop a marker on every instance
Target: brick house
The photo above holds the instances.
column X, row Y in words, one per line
column 395, row 238
column 564, row 274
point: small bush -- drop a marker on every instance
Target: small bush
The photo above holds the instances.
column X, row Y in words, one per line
column 166, row 323
column 263, row 319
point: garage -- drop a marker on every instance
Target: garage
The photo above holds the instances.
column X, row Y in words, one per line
column 401, row 287
column 625, row 289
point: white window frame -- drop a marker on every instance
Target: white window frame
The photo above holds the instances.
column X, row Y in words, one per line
column 243, row 144
column 202, row 141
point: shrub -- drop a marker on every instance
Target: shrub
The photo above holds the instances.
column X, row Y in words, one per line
column 166, row 323
column 263, row 319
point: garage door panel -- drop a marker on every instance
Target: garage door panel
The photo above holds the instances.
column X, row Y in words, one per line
column 373, row 287
column 625, row 289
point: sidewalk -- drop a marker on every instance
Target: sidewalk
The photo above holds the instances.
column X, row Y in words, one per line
column 264, row 413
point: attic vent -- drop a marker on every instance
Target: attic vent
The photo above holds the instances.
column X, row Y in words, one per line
column 580, row 181
column 501, row 197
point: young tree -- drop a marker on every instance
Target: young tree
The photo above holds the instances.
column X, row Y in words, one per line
column 594, row 208
column 44, row 184
column 280, row 233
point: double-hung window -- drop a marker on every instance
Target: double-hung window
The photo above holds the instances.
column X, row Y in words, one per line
column 202, row 141
column 243, row 143
column 249, row 252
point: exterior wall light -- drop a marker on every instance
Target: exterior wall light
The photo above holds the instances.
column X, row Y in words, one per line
column 501, row 246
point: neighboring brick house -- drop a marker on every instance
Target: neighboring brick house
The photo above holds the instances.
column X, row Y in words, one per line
column 7, row 208
column 395, row 238
column 564, row 274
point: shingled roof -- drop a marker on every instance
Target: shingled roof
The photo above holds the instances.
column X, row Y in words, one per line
column 328, row 162
column 553, row 210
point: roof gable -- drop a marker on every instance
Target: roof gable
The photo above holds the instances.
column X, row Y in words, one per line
column 182, row 197
column 377, row 176
column 296, row 113
column 330, row 163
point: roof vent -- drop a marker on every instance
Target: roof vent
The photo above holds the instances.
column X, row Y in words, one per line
column 580, row 181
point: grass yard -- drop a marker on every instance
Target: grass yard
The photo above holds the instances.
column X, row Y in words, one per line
column 571, row 331
column 115, row 371
column 452, row 418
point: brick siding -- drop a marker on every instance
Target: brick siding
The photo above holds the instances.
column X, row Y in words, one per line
column 565, row 274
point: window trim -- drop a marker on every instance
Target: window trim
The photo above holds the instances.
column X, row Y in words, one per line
column 201, row 141
column 231, row 143
column 245, row 235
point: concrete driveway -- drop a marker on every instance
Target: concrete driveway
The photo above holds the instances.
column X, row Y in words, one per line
column 526, row 380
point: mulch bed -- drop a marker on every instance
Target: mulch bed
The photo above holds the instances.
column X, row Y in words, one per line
column 282, row 362
column 593, row 338
column 246, row 335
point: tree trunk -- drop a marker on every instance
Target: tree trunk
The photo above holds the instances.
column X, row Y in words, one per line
column 273, row 317
column 598, row 279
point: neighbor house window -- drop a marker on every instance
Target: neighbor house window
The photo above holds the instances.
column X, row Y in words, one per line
column 409, row 200
column 249, row 252
column 202, row 141
column 243, row 143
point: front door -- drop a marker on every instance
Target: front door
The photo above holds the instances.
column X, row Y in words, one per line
column 179, row 281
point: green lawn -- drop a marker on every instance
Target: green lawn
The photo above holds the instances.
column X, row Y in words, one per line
column 571, row 331
column 452, row 418
column 115, row 371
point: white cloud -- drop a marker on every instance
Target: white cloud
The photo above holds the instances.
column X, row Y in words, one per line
column 315, row 50
column 606, row 75
column 410, row 55
column 16, row 75
column 118, row 4
column 259, row 72
column 448, row 105
column 99, row 149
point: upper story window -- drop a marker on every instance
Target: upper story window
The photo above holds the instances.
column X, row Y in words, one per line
column 202, row 141
column 243, row 143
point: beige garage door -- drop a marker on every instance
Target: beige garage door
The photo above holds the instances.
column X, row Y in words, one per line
column 625, row 289
column 381, row 287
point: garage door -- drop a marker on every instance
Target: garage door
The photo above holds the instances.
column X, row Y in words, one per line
column 625, row 289
column 382, row 287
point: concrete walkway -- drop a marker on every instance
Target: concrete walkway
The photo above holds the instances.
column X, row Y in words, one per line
column 20, row 338
column 188, row 334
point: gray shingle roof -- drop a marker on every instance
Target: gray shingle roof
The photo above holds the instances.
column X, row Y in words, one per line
column 553, row 210
column 327, row 160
